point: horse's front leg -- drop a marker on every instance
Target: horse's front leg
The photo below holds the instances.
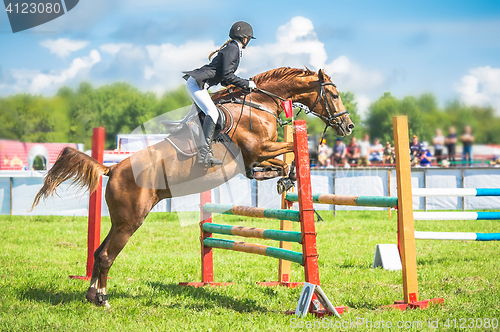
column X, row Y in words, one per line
column 271, row 168
column 271, row 150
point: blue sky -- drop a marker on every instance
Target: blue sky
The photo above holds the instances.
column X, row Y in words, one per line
column 449, row 48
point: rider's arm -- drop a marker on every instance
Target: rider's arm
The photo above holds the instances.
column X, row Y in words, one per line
column 230, row 59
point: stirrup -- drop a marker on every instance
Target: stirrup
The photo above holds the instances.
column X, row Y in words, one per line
column 210, row 161
column 207, row 158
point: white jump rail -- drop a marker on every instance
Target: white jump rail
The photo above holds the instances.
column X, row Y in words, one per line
column 456, row 192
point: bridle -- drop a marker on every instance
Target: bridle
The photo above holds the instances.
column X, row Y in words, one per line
column 332, row 118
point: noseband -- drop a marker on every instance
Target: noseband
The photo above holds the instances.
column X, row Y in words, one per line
column 332, row 118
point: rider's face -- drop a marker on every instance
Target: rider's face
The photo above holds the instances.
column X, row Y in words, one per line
column 246, row 40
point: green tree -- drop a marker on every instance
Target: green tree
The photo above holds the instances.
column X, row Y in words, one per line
column 33, row 118
column 379, row 119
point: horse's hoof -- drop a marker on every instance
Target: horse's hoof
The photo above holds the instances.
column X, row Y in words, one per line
column 283, row 185
column 91, row 294
column 104, row 304
column 101, row 300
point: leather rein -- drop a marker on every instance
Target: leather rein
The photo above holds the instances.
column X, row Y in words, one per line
column 331, row 119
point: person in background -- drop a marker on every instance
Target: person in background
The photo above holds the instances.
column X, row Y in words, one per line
column 376, row 151
column 6, row 161
column 467, row 139
column 438, row 142
column 388, row 154
column 364, row 151
column 415, row 148
column 495, row 161
column 322, row 153
column 16, row 162
column 451, row 142
column 339, row 152
column 425, row 157
column 352, row 151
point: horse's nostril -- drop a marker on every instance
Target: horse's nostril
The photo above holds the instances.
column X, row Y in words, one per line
column 351, row 126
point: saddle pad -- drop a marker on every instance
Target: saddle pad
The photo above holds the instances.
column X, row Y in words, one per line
column 228, row 125
column 184, row 142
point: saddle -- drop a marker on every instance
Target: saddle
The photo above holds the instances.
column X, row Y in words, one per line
column 186, row 134
column 224, row 123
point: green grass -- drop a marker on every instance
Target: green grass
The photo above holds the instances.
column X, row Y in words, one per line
column 38, row 253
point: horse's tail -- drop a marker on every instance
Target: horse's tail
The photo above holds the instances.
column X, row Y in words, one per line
column 71, row 163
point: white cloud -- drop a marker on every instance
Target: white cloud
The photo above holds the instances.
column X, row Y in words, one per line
column 297, row 45
column 113, row 49
column 63, row 47
column 363, row 102
column 167, row 61
column 481, row 87
column 159, row 68
column 41, row 82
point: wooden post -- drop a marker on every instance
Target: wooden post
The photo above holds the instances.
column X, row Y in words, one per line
column 389, row 189
column 207, row 263
column 94, row 225
column 309, row 250
column 284, row 268
column 207, row 266
column 333, row 189
column 405, row 209
column 11, row 183
column 406, row 229
column 463, row 186
column 425, row 186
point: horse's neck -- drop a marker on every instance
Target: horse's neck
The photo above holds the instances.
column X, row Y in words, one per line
column 278, row 90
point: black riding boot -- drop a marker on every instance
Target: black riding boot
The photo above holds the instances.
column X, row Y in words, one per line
column 206, row 156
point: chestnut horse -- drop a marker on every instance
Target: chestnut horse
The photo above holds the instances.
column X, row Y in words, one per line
column 139, row 182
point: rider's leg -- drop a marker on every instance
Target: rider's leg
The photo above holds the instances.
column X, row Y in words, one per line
column 202, row 98
column 205, row 103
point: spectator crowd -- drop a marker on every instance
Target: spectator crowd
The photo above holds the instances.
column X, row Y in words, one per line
column 364, row 153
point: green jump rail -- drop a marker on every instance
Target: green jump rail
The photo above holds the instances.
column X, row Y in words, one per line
column 259, row 233
column 373, row 201
column 252, row 211
column 253, row 248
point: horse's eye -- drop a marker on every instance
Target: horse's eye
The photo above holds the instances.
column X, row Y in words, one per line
column 335, row 96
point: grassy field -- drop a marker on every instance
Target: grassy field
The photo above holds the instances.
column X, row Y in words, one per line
column 38, row 253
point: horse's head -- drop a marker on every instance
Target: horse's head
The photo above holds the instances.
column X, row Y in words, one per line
column 314, row 90
column 324, row 101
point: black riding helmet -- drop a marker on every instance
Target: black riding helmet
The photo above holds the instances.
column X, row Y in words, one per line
column 240, row 30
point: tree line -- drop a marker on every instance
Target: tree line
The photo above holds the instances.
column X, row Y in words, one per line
column 70, row 115
column 424, row 117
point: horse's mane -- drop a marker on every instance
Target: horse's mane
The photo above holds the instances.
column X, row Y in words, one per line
column 277, row 75
column 281, row 74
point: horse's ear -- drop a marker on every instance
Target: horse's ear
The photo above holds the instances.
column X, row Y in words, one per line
column 321, row 75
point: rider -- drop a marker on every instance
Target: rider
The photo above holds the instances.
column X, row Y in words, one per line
column 220, row 70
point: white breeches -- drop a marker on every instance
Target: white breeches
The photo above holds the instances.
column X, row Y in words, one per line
column 202, row 99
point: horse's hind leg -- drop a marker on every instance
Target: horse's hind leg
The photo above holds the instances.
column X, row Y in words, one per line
column 123, row 227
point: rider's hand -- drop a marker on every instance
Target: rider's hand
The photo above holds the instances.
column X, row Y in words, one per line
column 252, row 85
